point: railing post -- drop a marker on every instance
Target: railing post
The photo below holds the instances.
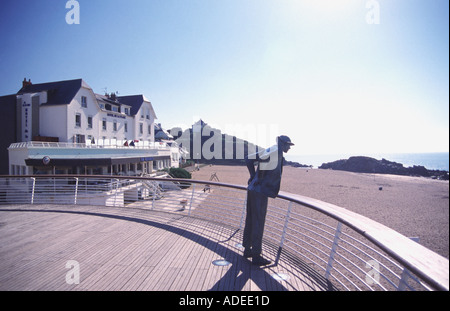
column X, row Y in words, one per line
column 283, row 234
column 192, row 198
column 76, row 190
column 32, row 190
column 402, row 284
column 244, row 210
column 286, row 222
column 333, row 250
column 154, row 195
column 115, row 194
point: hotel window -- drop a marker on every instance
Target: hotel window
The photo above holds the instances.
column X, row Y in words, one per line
column 84, row 101
column 115, row 126
column 141, row 128
column 90, row 122
column 104, row 124
column 149, row 130
column 127, row 111
column 125, row 127
column 78, row 120
column 80, row 139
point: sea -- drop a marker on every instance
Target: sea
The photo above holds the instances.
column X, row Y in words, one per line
column 431, row 161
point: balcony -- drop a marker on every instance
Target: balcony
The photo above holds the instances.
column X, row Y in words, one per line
column 136, row 233
column 101, row 144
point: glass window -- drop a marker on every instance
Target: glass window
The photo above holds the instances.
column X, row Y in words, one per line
column 78, row 120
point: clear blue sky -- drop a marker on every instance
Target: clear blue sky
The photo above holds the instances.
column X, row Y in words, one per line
column 314, row 70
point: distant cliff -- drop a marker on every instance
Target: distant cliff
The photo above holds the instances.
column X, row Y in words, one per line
column 210, row 146
column 371, row 165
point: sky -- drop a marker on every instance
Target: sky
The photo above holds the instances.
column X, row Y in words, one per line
column 336, row 76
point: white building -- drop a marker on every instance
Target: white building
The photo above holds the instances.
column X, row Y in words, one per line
column 64, row 127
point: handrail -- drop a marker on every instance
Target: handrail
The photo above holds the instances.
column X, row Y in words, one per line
column 431, row 267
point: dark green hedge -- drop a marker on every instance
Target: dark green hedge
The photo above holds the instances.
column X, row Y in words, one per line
column 179, row 173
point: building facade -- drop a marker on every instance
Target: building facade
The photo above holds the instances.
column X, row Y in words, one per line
column 64, row 127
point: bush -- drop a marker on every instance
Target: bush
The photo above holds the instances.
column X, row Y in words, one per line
column 179, row 173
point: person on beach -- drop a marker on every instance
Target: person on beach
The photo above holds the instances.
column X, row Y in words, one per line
column 264, row 182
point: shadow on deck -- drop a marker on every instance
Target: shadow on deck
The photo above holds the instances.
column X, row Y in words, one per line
column 51, row 247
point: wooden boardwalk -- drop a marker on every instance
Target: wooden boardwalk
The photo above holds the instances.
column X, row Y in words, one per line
column 51, row 247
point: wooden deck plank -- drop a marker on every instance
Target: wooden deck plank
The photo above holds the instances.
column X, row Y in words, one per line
column 125, row 249
column 195, row 262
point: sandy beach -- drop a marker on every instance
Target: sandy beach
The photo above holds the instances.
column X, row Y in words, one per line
column 413, row 206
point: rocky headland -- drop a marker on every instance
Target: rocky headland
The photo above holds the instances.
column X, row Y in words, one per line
column 370, row 165
column 295, row 164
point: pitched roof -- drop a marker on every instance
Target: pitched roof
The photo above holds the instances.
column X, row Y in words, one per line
column 58, row 93
column 135, row 101
column 63, row 92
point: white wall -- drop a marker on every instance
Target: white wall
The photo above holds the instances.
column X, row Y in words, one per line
column 60, row 121
column 53, row 121
column 92, row 110
column 17, row 161
column 120, row 119
column 146, row 117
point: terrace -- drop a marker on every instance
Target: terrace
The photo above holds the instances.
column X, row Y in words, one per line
column 134, row 233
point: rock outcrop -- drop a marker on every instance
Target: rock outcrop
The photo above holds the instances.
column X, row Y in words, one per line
column 295, row 164
column 371, row 165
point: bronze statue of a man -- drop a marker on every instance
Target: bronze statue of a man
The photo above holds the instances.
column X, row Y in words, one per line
column 264, row 182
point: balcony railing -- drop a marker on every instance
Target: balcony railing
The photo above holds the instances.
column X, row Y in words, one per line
column 351, row 251
column 104, row 144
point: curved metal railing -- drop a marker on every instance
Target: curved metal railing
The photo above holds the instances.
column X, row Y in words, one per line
column 350, row 251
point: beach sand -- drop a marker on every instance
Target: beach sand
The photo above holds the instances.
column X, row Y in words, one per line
column 413, row 206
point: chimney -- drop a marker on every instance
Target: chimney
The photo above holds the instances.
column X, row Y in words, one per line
column 25, row 83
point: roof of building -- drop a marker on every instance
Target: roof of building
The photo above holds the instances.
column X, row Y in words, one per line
column 8, row 99
column 135, row 101
column 108, row 100
column 63, row 92
column 58, row 93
